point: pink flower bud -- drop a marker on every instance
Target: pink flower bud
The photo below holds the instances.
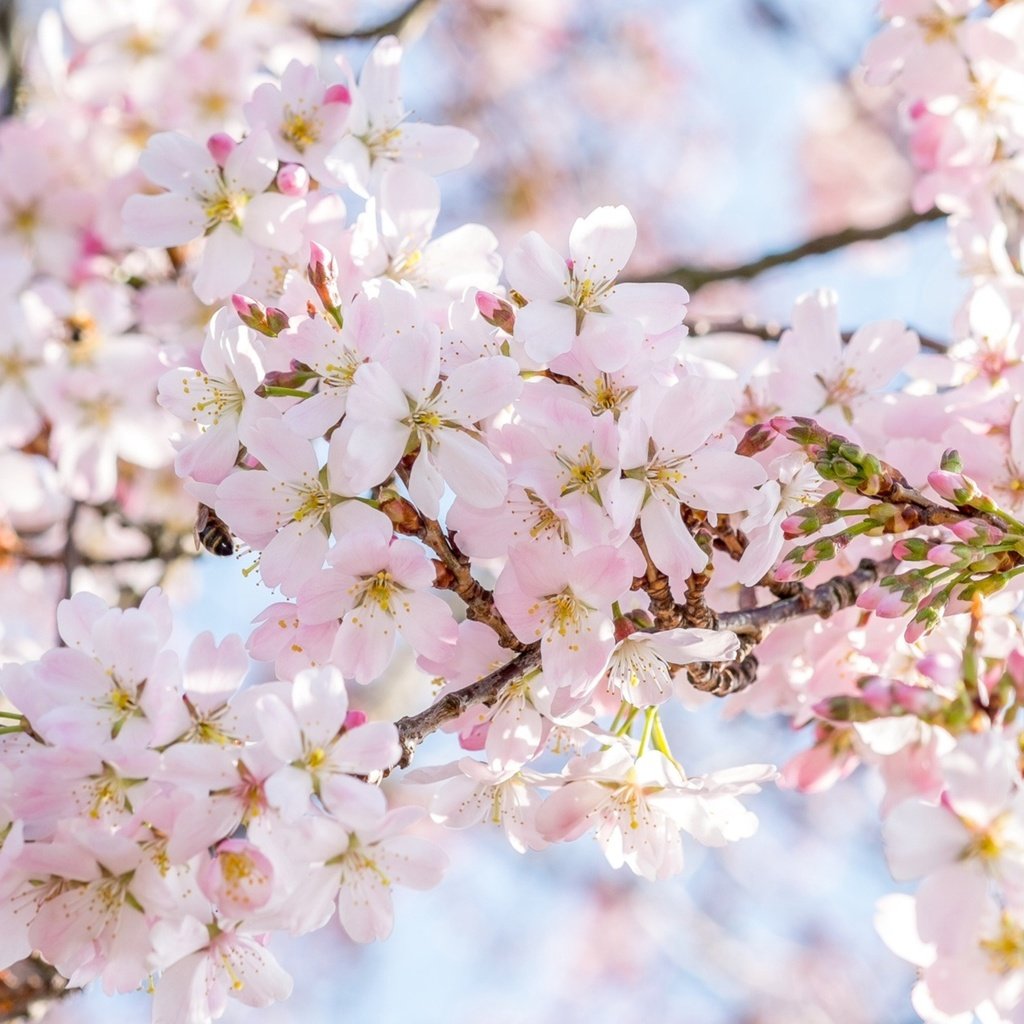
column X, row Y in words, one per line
column 977, row 531
column 892, row 605
column 338, row 93
column 238, row 879
column 292, row 180
column 877, row 694
column 954, row 487
column 917, row 700
column 497, row 312
column 354, row 719
column 870, row 599
column 220, row 146
column 323, row 276
column 943, row 554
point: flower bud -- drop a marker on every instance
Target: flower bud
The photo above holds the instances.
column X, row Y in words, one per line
column 953, row 486
column 403, row 515
column 497, row 312
column 951, row 462
column 323, row 276
column 254, row 314
column 220, row 146
column 292, row 180
column 757, row 439
column 354, row 719
column 910, row 549
column 338, row 93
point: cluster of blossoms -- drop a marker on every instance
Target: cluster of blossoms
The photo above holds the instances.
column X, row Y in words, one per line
column 520, row 477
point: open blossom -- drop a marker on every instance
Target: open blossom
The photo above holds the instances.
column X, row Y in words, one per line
column 223, row 962
column 380, row 134
column 112, row 680
column 638, row 807
column 640, row 667
column 359, row 869
column 576, row 302
column 378, row 587
column 305, row 118
column 823, row 376
column 392, row 240
column 667, row 458
column 564, row 600
column 402, row 399
column 229, row 205
column 319, row 754
column 468, row 792
column 218, row 398
column 287, row 509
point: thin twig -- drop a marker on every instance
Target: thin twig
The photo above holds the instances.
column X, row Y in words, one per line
column 70, row 557
column 394, row 25
column 771, row 331
column 823, row 600
column 413, row 729
column 694, row 277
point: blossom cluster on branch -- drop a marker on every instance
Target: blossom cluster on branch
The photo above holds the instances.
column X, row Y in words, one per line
column 516, row 475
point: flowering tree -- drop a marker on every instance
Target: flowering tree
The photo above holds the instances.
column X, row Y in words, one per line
column 513, row 496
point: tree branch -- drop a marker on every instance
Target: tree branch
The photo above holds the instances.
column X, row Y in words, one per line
column 823, row 600
column 416, row 10
column 715, row 677
column 770, row 331
column 694, row 277
column 26, row 984
column 413, row 729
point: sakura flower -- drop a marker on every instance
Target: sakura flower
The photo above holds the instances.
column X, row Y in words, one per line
column 792, row 484
column 378, row 587
column 238, row 879
column 219, row 398
column 978, row 826
column 402, row 400
column 305, row 118
column 319, row 754
column 96, row 926
column 637, row 808
column 577, row 302
column 112, row 680
column 564, row 601
column 820, row 374
column 470, row 792
column 393, row 239
column 335, row 353
column 379, row 134
column 230, row 205
column 361, row 868
column 639, row 670
column 666, row 459
column 287, row 509
column 223, row 962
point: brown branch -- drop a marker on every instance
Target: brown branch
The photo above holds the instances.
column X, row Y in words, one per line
column 694, row 277
column 720, row 679
column 771, row 331
column 25, row 985
column 823, row 600
column 457, row 577
column 416, row 11
column 413, row 729
column 667, row 614
column 70, row 558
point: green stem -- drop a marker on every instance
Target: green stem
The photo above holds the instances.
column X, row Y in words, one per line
column 273, row 391
column 645, row 737
column 661, row 742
